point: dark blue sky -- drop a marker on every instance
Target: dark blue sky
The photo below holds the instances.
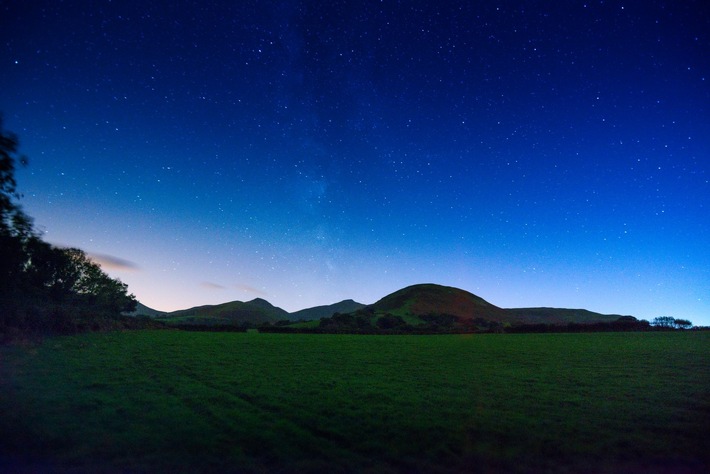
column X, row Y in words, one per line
column 533, row 153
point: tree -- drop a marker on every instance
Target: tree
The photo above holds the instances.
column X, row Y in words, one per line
column 391, row 321
column 93, row 286
column 15, row 226
column 41, row 284
column 627, row 319
column 45, row 269
column 683, row 324
column 13, row 221
column 664, row 322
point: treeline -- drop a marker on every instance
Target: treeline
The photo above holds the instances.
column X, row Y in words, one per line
column 46, row 289
column 624, row 323
column 365, row 322
column 410, row 330
column 613, row 326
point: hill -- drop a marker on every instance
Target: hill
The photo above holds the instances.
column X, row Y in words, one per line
column 425, row 299
column 143, row 310
column 256, row 311
column 418, row 300
column 424, row 306
column 437, row 308
column 240, row 313
column 317, row 312
column 560, row 316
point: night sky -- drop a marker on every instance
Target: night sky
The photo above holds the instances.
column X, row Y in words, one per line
column 533, row 153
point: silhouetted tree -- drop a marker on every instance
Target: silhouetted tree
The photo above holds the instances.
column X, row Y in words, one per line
column 91, row 285
column 627, row 319
column 391, row 321
column 43, row 287
column 664, row 322
column 683, row 324
column 15, row 226
column 13, row 221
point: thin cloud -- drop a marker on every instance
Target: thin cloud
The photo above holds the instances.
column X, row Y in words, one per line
column 109, row 262
column 212, row 286
column 250, row 289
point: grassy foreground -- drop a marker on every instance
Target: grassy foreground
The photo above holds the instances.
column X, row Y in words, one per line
column 168, row 401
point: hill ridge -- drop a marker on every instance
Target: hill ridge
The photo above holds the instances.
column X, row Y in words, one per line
column 411, row 302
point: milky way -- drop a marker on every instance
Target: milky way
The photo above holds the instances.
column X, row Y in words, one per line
column 308, row 152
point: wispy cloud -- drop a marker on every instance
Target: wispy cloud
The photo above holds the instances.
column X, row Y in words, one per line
column 250, row 289
column 109, row 262
column 212, row 286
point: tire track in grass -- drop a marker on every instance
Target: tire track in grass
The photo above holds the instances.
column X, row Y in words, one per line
column 270, row 433
column 255, row 420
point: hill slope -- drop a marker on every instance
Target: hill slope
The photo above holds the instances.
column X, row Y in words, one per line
column 415, row 304
column 235, row 312
column 560, row 316
column 424, row 299
column 416, row 301
column 317, row 312
column 143, row 310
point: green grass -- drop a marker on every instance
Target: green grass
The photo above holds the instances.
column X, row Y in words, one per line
column 163, row 401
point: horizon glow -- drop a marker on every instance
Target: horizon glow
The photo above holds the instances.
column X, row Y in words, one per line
column 306, row 154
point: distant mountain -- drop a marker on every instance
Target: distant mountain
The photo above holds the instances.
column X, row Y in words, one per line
column 424, row 299
column 560, row 316
column 256, row 311
column 424, row 304
column 317, row 312
column 143, row 310
column 430, row 299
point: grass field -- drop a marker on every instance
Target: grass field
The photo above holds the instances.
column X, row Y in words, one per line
column 169, row 401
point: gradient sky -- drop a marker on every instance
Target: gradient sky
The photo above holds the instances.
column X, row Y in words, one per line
column 533, row 153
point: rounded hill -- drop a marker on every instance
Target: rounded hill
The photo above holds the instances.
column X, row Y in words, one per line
column 425, row 299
